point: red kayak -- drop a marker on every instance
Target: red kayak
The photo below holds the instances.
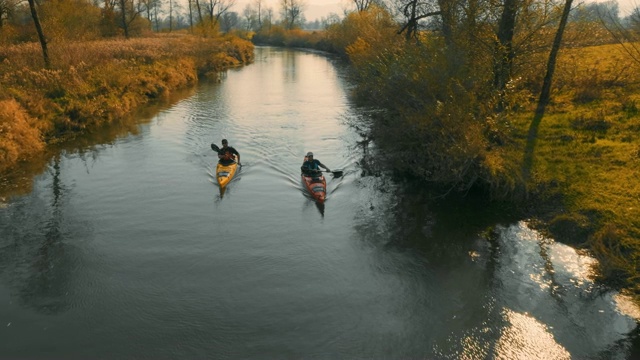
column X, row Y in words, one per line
column 316, row 185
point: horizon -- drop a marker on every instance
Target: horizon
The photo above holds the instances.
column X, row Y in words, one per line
column 317, row 9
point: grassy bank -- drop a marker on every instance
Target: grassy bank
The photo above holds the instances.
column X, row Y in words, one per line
column 587, row 159
column 93, row 83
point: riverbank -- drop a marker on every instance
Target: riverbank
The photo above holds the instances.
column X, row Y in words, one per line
column 93, row 83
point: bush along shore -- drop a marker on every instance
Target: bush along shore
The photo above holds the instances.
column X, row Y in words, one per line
column 93, row 83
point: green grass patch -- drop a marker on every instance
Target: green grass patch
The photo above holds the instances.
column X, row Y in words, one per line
column 591, row 152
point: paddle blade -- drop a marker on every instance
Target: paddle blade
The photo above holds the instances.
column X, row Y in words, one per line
column 215, row 147
column 337, row 173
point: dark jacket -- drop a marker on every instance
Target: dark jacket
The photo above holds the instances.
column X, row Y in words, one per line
column 226, row 155
column 312, row 167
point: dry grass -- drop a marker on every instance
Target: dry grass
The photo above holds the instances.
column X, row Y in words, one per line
column 94, row 82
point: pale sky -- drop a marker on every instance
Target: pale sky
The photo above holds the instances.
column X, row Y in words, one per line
column 316, row 9
column 626, row 6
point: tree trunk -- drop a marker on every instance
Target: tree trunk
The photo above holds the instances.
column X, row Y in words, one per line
column 447, row 9
column 41, row 37
column 504, row 47
column 545, row 94
column 125, row 25
column 259, row 3
column 190, row 16
column 199, row 11
column 412, row 26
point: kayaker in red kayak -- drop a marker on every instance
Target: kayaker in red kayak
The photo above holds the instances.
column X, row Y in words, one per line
column 312, row 166
column 226, row 154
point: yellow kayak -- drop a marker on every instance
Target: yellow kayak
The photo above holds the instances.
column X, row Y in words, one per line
column 224, row 173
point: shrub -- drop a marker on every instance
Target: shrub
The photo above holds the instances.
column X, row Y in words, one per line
column 19, row 138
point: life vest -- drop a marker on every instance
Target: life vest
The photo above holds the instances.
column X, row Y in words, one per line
column 311, row 166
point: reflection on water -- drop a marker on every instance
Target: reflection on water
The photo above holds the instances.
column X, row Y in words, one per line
column 526, row 338
column 35, row 259
column 133, row 243
column 511, row 295
column 44, row 289
column 549, row 297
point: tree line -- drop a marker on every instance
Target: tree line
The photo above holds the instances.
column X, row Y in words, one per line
column 84, row 19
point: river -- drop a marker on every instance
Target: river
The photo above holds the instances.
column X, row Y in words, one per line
column 127, row 249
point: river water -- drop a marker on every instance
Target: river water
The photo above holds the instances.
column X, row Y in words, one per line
column 127, row 249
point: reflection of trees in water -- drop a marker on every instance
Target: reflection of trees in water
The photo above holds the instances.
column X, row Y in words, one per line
column 290, row 59
column 433, row 246
column 35, row 261
column 45, row 286
column 479, row 277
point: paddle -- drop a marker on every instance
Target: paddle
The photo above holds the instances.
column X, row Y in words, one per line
column 336, row 173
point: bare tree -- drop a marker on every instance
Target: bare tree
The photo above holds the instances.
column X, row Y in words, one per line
column 170, row 15
column 250, row 17
column 129, row 12
column 217, row 8
column 229, row 21
column 199, row 8
column 7, row 8
column 259, row 4
column 156, row 18
column 190, row 15
column 414, row 11
column 362, row 5
column 268, row 14
column 291, row 12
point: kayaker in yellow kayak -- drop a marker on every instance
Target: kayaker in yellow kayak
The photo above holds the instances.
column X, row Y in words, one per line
column 226, row 154
column 312, row 166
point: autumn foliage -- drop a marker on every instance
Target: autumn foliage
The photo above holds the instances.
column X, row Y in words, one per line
column 94, row 82
column 19, row 135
